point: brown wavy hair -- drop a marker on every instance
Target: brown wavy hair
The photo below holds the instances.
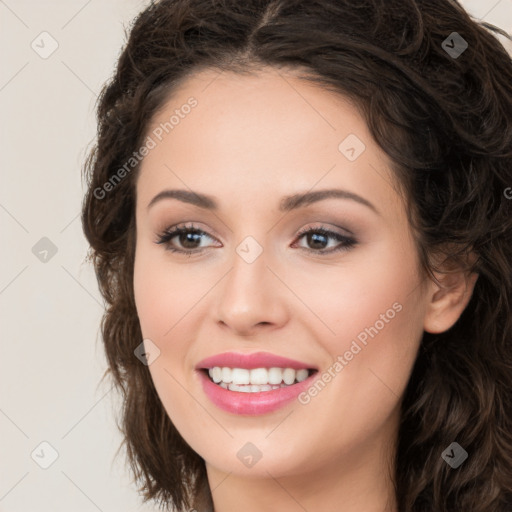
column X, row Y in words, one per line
column 445, row 122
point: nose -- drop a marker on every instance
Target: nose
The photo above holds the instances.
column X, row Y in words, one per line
column 251, row 297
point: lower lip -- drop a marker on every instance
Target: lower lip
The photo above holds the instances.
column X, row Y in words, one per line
column 238, row 402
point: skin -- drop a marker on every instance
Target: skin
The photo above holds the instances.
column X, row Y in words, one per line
column 250, row 141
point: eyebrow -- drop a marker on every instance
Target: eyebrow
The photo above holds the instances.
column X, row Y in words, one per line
column 286, row 204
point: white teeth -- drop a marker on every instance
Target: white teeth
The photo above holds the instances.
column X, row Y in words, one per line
column 259, row 376
column 257, row 379
column 275, row 375
column 226, row 375
column 251, row 388
column 301, row 375
column 289, row 376
column 216, row 374
column 240, row 376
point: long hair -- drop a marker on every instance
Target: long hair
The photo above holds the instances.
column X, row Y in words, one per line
column 435, row 88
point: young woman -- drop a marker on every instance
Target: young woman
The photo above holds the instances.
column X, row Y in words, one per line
column 300, row 215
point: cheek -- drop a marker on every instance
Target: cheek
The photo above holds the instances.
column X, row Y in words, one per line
column 163, row 293
column 149, row 295
column 162, row 302
column 365, row 291
column 379, row 333
column 375, row 315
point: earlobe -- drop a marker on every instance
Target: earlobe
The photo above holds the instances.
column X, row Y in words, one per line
column 448, row 300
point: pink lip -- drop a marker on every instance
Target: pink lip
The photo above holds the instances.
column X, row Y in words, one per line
column 250, row 361
column 252, row 404
column 237, row 402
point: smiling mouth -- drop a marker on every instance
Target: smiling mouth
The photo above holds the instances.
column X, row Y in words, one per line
column 256, row 380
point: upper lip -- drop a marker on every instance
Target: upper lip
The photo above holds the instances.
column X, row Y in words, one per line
column 250, row 361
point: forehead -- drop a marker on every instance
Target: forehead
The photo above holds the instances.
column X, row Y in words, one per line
column 252, row 134
column 267, row 103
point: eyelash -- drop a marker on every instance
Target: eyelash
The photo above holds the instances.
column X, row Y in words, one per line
column 164, row 238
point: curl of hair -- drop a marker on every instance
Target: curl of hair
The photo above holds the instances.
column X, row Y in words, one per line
column 447, row 126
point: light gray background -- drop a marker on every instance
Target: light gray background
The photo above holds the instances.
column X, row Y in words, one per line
column 52, row 359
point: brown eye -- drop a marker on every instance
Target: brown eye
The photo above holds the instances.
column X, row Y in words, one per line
column 188, row 237
column 318, row 239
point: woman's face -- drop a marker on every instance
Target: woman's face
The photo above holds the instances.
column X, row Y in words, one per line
column 255, row 284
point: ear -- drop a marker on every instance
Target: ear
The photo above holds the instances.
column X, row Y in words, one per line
column 447, row 299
